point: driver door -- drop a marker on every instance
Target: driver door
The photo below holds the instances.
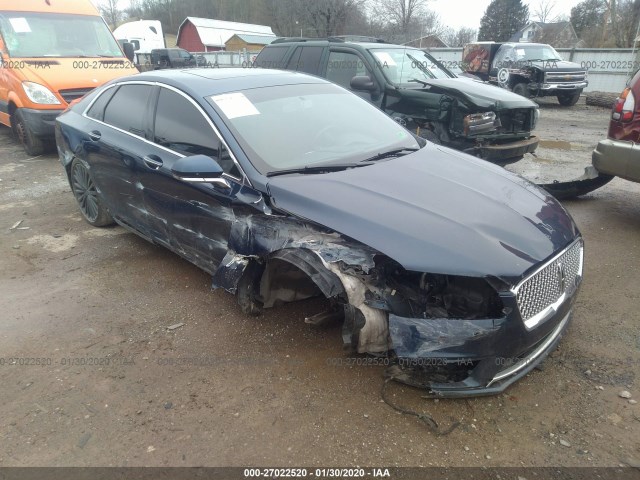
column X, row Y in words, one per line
column 192, row 219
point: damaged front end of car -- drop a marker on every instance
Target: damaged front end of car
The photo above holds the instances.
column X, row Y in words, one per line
column 452, row 335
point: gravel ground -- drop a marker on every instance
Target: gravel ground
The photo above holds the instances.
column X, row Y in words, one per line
column 115, row 387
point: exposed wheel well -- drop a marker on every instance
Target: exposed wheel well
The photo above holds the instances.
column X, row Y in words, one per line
column 296, row 274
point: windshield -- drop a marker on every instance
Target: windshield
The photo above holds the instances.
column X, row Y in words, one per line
column 535, row 52
column 406, row 65
column 310, row 125
column 28, row 35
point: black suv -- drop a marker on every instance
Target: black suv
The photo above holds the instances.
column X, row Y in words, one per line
column 418, row 92
column 171, row 58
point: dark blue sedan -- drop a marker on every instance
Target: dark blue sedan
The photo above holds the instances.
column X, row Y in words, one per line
column 284, row 187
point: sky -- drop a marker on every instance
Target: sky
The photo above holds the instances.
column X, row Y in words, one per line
column 467, row 13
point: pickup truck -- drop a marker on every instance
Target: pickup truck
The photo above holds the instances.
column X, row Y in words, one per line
column 528, row 69
column 418, row 92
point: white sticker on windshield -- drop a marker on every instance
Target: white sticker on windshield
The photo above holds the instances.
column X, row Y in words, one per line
column 235, row 105
column 20, row 25
column 385, row 59
column 520, row 52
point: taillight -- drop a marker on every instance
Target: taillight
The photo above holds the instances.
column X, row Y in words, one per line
column 624, row 107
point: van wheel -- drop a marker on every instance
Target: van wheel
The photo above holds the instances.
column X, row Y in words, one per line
column 32, row 144
column 521, row 89
column 568, row 99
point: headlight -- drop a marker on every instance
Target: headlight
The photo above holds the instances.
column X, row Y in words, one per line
column 39, row 94
column 479, row 123
column 536, row 117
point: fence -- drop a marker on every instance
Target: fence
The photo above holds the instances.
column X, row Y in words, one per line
column 609, row 68
column 208, row 59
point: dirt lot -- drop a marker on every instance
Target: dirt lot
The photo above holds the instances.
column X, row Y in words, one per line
column 264, row 391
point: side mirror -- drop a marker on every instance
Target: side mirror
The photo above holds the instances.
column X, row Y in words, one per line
column 362, row 83
column 129, row 52
column 199, row 169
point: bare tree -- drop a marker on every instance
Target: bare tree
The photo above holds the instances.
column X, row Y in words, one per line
column 328, row 17
column 110, row 12
column 459, row 38
column 544, row 11
column 400, row 13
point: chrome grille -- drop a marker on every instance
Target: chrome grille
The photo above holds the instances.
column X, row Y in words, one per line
column 72, row 94
column 550, row 285
column 565, row 77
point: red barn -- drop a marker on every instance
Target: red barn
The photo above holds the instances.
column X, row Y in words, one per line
column 208, row 35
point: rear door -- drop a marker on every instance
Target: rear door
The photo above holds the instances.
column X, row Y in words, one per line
column 115, row 146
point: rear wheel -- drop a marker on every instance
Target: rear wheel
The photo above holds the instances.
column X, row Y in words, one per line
column 521, row 89
column 569, row 99
column 91, row 207
column 31, row 143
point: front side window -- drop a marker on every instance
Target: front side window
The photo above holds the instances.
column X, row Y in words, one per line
column 128, row 107
column 343, row 66
column 181, row 127
column 36, row 35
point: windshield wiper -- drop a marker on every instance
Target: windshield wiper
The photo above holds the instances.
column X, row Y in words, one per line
column 415, row 80
column 314, row 169
column 391, row 153
column 421, row 66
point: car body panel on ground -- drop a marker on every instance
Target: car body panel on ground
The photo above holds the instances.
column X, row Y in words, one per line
column 422, row 251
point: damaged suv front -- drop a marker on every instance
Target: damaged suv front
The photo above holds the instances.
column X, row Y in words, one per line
column 458, row 112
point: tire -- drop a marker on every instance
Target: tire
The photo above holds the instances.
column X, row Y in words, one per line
column 84, row 190
column 521, row 89
column 31, row 143
column 248, row 290
column 569, row 100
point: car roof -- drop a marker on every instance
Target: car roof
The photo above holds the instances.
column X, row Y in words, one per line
column 201, row 82
column 524, row 44
column 325, row 42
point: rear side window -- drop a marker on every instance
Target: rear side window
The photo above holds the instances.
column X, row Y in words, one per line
column 306, row 59
column 272, row 57
column 127, row 108
column 181, row 127
column 97, row 109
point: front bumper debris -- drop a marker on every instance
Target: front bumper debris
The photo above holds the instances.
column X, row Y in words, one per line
column 507, row 152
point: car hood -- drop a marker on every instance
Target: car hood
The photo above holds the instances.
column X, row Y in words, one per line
column 61, row 73
column 437, row 211
column 480, row 94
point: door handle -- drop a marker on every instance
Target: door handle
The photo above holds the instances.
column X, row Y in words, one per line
column 95, row 135
column 152, row 161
